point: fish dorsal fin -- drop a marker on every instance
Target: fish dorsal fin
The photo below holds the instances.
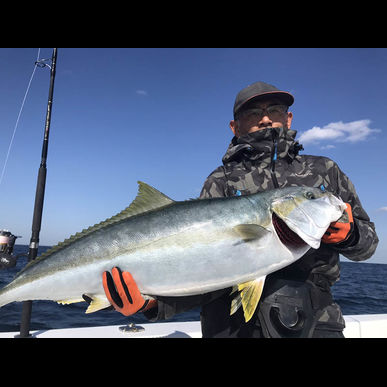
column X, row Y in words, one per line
column 147, row 199
column 248, row 295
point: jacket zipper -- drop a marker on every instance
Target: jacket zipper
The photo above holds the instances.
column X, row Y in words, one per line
column 273, row 160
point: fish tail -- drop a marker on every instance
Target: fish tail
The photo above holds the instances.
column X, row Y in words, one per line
column 5, row 296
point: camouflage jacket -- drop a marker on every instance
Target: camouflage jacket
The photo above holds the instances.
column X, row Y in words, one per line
column 269, row 159
column 265, row 160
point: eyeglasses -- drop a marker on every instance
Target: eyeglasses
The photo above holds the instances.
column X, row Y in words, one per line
column 258, row 113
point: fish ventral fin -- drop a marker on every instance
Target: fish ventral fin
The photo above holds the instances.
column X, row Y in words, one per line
column 248, row 296
column 147, row 199
column 250, row 232
column 97, row 303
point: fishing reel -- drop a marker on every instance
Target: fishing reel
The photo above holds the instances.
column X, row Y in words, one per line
column 7, row 242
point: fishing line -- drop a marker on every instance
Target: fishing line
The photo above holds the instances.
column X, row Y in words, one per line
column 18, row 117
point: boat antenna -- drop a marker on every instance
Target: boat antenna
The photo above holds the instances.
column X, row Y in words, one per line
column 39, row 195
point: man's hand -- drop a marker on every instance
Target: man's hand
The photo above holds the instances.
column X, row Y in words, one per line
column 123, row 293
column 340, row 230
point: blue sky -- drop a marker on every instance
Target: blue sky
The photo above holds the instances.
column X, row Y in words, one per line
column 161, row 115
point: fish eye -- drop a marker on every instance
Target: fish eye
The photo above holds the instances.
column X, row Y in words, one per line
column 310, row 195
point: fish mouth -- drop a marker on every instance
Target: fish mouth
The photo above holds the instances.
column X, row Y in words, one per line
column 287, row 237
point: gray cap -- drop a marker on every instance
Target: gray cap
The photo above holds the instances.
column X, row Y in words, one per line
column 260, row 89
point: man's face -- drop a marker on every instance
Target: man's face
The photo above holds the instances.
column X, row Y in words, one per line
column 257, row 115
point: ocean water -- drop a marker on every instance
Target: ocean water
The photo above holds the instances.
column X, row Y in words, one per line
column 362, row 289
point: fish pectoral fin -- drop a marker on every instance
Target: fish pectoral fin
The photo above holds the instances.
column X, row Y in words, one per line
column 248, row 295
column 250, row 232
column 98, row 302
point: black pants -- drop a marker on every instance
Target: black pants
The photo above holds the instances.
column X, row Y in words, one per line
column 320, row 333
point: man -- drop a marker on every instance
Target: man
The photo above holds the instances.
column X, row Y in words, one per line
column 297, row 300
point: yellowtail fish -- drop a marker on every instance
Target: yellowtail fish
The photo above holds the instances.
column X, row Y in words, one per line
column 181, row 248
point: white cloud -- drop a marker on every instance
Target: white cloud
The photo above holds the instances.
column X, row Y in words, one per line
column 339, row 132
column 141, row 92
column 383, row 209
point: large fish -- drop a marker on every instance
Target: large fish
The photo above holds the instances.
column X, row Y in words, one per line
column 183, row 248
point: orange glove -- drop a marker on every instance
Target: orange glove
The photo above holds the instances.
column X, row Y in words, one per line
column 340, row 230
column 123, row 293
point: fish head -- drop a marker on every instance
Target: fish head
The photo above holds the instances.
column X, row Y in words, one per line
column 307, row 212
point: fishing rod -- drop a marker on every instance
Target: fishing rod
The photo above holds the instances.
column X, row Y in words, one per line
column 39, row 195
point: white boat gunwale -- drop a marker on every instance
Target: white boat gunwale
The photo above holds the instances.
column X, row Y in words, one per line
column 357, row 326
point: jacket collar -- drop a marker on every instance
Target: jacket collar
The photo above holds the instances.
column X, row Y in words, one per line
column 258, row 146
